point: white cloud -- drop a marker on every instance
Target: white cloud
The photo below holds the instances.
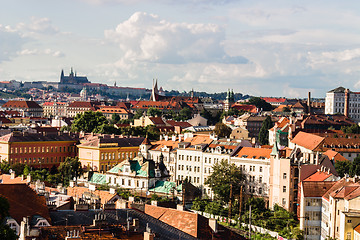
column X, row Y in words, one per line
column 35, row 27
column 145, row 37
column 37, row 52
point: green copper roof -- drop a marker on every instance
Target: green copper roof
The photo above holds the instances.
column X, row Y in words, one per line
column 98, row 178
column 163, row 187
column 115, row 169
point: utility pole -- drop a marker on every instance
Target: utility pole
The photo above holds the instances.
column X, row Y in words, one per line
column 250, row 222
column 229, row 215
column 240, row 203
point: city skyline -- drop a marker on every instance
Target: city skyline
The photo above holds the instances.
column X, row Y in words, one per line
column 277, row 48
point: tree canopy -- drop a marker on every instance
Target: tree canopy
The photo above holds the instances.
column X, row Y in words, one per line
column 222, row 130
column 264, row 131
column 260, row 103
column 343, row 167
column 154, row 112
column 68, row 169
column 351, row 129
column 88, row 121
column 5, row 231
column 223, row 176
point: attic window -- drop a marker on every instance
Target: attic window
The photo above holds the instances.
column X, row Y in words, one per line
column 244, row 156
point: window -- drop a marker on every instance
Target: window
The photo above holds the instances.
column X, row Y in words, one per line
column 260, row 179
column 260, row 169
column 260, row 190
column 284, row 175
column 284, row 188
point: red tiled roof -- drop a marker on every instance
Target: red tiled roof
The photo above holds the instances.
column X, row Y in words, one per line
column 24, row 202
column 255, row 153
column 188, row 223
column 6, row 179
column 307, row 140
column 274, row 100
column 316, row 189
column 180, row 124
column 245, row 107
column 337, row 156
column 21, row 104
column 319, row 176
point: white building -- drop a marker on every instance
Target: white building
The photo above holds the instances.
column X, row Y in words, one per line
column 255, row 163
column 341, row 100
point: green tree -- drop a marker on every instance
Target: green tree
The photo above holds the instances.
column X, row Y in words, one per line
column 342, row 167
column 4, row 167
column 152, row 132
column 224, row 176
column 206, row 114
column 199, row 204
column 264, row 131
column 154, row 112
column 222, row 130
column 5, row 231
column 68, row 169
column 88, row 121
column 351, row 129
column 115, row 118
column 355, row 167
column 260, row 103
column 138, row 114
column 18, row 168
column 185, row 114
column 214, row 207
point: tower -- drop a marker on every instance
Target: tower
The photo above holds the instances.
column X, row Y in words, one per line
column 229, row 101
column 155, row 91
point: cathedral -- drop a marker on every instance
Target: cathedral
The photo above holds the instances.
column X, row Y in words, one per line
column 72, row 78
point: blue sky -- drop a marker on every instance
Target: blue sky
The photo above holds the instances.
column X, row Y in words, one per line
column 263, row 48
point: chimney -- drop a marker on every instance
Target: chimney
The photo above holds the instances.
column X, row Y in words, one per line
column 309, row 102
column 28, row 178
column 173, row 138
column 12, row 174
column 346, row 105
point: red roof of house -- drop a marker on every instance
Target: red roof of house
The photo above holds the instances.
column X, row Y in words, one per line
column 318, row 176
column 245, row 107
column 24, row 202
column 307, row 140
column 335, row 155
column 255, row 153
column 21, row 104
column 274, row 100
column 316, row 189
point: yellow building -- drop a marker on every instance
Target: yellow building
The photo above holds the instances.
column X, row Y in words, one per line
column 102, row 152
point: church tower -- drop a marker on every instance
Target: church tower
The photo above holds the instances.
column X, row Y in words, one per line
column 155, row 91
column 229, row 101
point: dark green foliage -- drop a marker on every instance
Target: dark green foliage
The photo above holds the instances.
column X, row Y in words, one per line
column 342, row 167
column 200, row 204
column 18, row 168
column 4, row 167
column 115, row 118
column 355, row 167
column 138, row 114
column 184, row 114
column 264, row 131
column 260, row 104
column 351, row 129
column 89, row 121
column 124, row 193
column 154, row 112
column 69, row 169
column 286, row 109
column 5, row 231
column 223, row 176
column 222, row 130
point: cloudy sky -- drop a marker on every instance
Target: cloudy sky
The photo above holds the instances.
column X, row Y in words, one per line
column 258, row 47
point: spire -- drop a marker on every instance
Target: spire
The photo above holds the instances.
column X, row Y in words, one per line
column 154, row 91
column 275, row 150
column 62, row 75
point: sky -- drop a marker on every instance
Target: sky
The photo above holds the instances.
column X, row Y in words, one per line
column 258, row 47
